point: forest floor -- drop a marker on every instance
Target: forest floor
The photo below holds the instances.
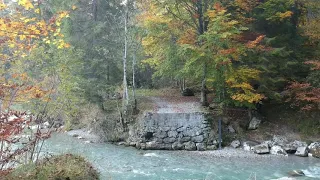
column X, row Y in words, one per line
column 278, row 119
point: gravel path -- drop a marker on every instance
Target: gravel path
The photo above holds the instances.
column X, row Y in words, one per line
column 176, row 105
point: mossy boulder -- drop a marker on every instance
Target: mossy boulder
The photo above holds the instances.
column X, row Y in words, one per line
column 61, row 167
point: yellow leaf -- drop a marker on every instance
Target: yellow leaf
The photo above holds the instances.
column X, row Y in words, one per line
column 2, row 6
column 74, row 7
column 22, row 37
column 26, row 4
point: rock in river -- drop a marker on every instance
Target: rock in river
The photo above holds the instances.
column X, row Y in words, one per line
column 261, row 149
column 235, row 144
column 277, row 150
column 302, row 151
column 296, row 173
column 314, row 149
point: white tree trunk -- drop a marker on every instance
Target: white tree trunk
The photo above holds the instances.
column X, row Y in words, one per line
column 125, row 84
column 134, row 81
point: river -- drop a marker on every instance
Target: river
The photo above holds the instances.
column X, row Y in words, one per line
column 127, row 163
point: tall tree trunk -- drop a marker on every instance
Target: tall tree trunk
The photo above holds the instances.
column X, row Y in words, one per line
column 95, row 9
column 204, row 100
column 125, row 84
column 180, row 85
column 134, row 82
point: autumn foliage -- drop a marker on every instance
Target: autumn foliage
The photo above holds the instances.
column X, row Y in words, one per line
column 305, row 95
column 22, row 30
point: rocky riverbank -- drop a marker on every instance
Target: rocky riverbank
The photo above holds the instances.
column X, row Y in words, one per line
column 278, row 147
column 239, row 153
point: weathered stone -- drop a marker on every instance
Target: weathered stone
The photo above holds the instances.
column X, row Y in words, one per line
column 205, row 136
column 180, row 135
column 185, row 139
column 169, row 140
column 121, row 143
column 197, row 139
column 279, row 140
column 192, row 132
column 261, row 149
column 80, row 137
column 177, row 146
column 302, row 151
column 190, row 146
column 296, row 173
column 152, row 145
column 89, row 142
column 165, row 147
column 246, row 147
column 254, row 123
column 164, row 129
column 268, row 143
column 200, row 146
column 215, row 142
column 235, row 144
column 158, row 140
column 292, row 146
column 314, row 149
column 138, row 145
column 143, row 146
column 160, row 134
column 277, row 150
column 132, row 144
column 211, row 138
column 211, row 147
column 249, row 145
column 181, row 129
column 231, row 129
column 172, row 134
column 75, row 135
column 205, row 126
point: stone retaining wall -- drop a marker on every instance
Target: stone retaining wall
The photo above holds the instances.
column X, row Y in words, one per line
column 173, row 131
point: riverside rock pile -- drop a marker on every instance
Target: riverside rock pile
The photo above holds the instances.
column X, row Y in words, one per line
column 279, row 145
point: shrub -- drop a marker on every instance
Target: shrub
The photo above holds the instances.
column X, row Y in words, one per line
column 60, row 167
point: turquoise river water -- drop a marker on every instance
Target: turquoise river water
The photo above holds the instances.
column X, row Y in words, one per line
column 126, row 163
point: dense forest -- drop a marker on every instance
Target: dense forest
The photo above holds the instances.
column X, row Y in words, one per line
column 88, row 62
column 76, row 52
